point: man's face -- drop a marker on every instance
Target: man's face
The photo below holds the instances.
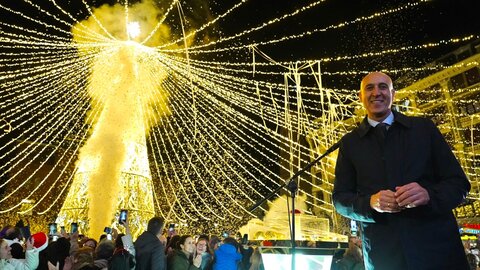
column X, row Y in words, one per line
column 376, row 94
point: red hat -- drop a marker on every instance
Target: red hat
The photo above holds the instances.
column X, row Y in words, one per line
column 40, row 241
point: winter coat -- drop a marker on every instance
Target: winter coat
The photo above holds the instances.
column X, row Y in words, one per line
column 29, row 263
column 121, row 260
column 150, row 252
column 226, row 258
column 423, row 237
column 179, row 261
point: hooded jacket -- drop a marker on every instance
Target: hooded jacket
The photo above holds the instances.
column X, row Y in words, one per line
column 226, row 258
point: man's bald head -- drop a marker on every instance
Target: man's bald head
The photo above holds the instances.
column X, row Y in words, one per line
column 376, row 95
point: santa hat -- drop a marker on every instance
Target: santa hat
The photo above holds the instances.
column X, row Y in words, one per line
column 40, row 241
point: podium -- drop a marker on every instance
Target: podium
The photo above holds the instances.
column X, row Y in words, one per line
column 280, row 258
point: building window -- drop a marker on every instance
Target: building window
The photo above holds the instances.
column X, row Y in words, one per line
column 458, row 82
column 473, row 76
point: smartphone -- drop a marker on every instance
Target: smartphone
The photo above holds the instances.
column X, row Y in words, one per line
column 245, row 239
column 52, row 229
column 107, row 230
column 26, row 232
column 73, row 227
column 123, row 216
column 353, row 228
column 171, row 227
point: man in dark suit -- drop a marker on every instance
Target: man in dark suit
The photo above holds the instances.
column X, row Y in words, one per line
column 397, row 176
column 149, row 250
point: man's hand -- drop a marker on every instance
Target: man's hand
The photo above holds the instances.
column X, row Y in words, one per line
column 411, row 195
column 384, row 201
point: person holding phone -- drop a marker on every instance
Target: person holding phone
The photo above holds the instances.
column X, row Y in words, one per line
column 246, row 252
column 122, row 258
column 180, row 259
column 127, row 238
column 227, row 256
column 15, row 240
column 8, row 263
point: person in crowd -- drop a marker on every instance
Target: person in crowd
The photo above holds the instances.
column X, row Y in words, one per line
column 472, row 261
column 352, row 258
column 256, row 262
column 397, row 176
column 89, row 242
column 122, row 259
column 246, row 252
column 181, row 258
column 83, row 259
column 227, row 256
column 74, row 242
column 103, row 254
column 127, row 239
column 8, row 263
column 13, row 236
column 54, row 255
column 171, row 245
column 5, row 230
column 213, row 244
column 150, row 251
column 202, row 248
column 102, row 237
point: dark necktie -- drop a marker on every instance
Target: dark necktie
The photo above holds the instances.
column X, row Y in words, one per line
column 381, row 131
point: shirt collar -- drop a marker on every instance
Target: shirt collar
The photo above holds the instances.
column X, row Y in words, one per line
column 400, row 119
column 388, row 120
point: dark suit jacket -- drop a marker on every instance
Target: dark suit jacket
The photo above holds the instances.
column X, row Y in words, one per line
column 149, row 253
column 425, row 237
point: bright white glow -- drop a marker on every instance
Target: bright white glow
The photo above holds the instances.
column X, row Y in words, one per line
column 302, row 261
column 133, row 29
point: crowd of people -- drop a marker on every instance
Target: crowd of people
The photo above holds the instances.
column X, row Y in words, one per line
column 154, row 249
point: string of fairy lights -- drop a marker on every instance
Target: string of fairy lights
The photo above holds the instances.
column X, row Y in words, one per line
column 222, row 132
column 195, row 49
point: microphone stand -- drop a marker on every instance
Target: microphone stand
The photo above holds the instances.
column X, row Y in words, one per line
column 292, row 187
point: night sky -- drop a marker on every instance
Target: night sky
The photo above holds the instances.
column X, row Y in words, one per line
column 429, row 21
